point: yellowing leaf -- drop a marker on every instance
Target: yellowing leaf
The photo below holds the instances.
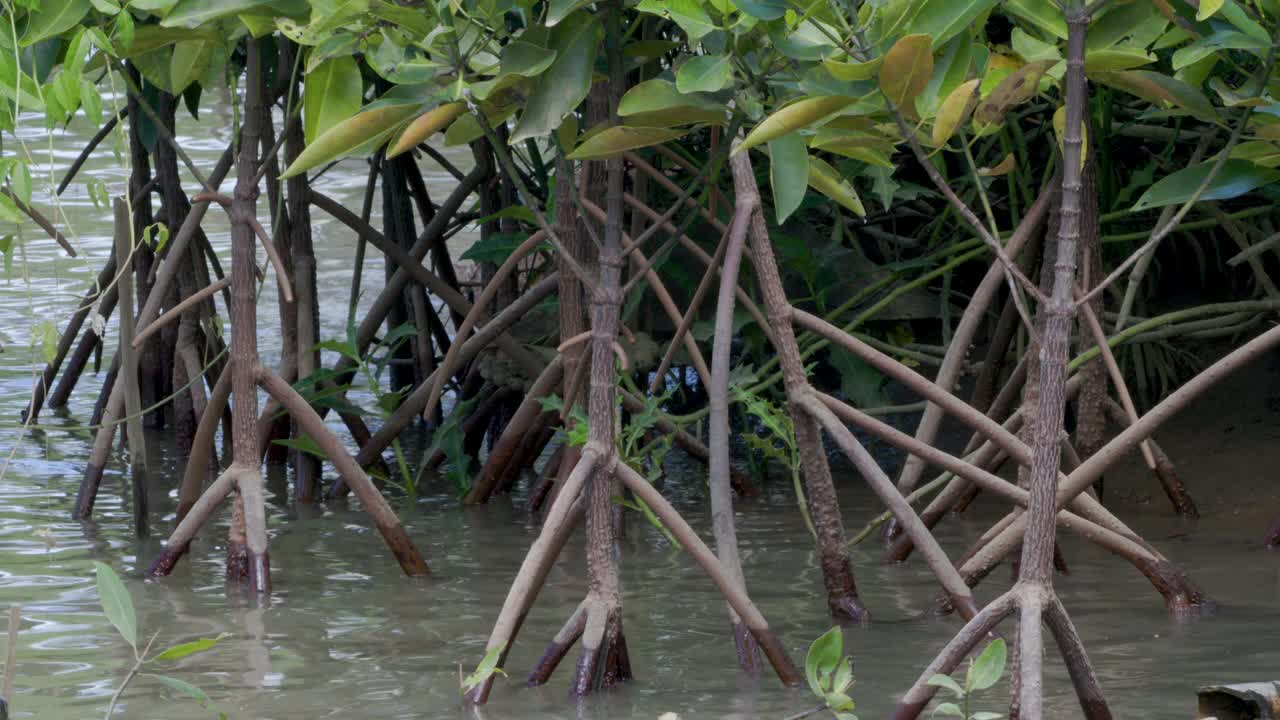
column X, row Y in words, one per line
column 853, row 71
column 826, row 180
column 351, row 134
column 1015, row 89
column 906, row 70
column 619, row 138
column 1004, row 167
column 1059, row 129
column 955, row 110
column 426, row 125
column 793, row 117
column 1207, row 9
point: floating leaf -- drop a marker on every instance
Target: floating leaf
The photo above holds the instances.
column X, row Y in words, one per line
column 1236, row 178
column 619, row 138
column 794, row 117
column 117, row 604
column 906, row 70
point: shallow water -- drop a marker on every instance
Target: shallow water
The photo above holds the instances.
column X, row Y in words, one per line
column 345, row 635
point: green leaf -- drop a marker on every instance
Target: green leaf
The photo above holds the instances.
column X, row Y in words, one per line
column 763, row 9
column 50, row 18
column 330, row 94
column 182, row 686
column 374, row 123
column 1221, row 39
column 302, row 443
column 788, row 174
column 988, row 667
column 985, row 716
column 565, row 84
column 1120, row 58
column 190, row 59
column 6, row 249
column 951, row 709
column 825, row 179
column 1041, row 14
column 495, row 249
column 190, row 648
column 853, row 71
column 796, row 116
column 1159, row 89
column 193, row 13
column 8, row 211
column 859, row 381
column 619, row 138
column 657, row 103
column 487, row 667
column 117, row 604
column 823, row 656
column 46, row 334
column 945, row 681
column 906, row 71
column 1207, row 9
column 558, row 10
column 704, row 73
column 691, row 18
column 1236, row 178
column 943, row 19
column 955, row 110
column 20, row 179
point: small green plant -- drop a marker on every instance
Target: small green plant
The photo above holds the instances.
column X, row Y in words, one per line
column 775, row 439
column 644, row 457
column 487, row 667
column 329, row 388
column 450, row 439
column 830, row 673
column 983, row 672
column 117, row 605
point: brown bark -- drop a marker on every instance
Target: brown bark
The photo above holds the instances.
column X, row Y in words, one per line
column 837, row 573
column 252, row 558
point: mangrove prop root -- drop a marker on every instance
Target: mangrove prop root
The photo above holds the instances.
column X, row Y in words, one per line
column 837, row 572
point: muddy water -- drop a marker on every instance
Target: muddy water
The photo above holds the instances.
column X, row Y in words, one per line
column 346, row 636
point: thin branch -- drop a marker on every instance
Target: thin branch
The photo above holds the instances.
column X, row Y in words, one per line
column 176, row 311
